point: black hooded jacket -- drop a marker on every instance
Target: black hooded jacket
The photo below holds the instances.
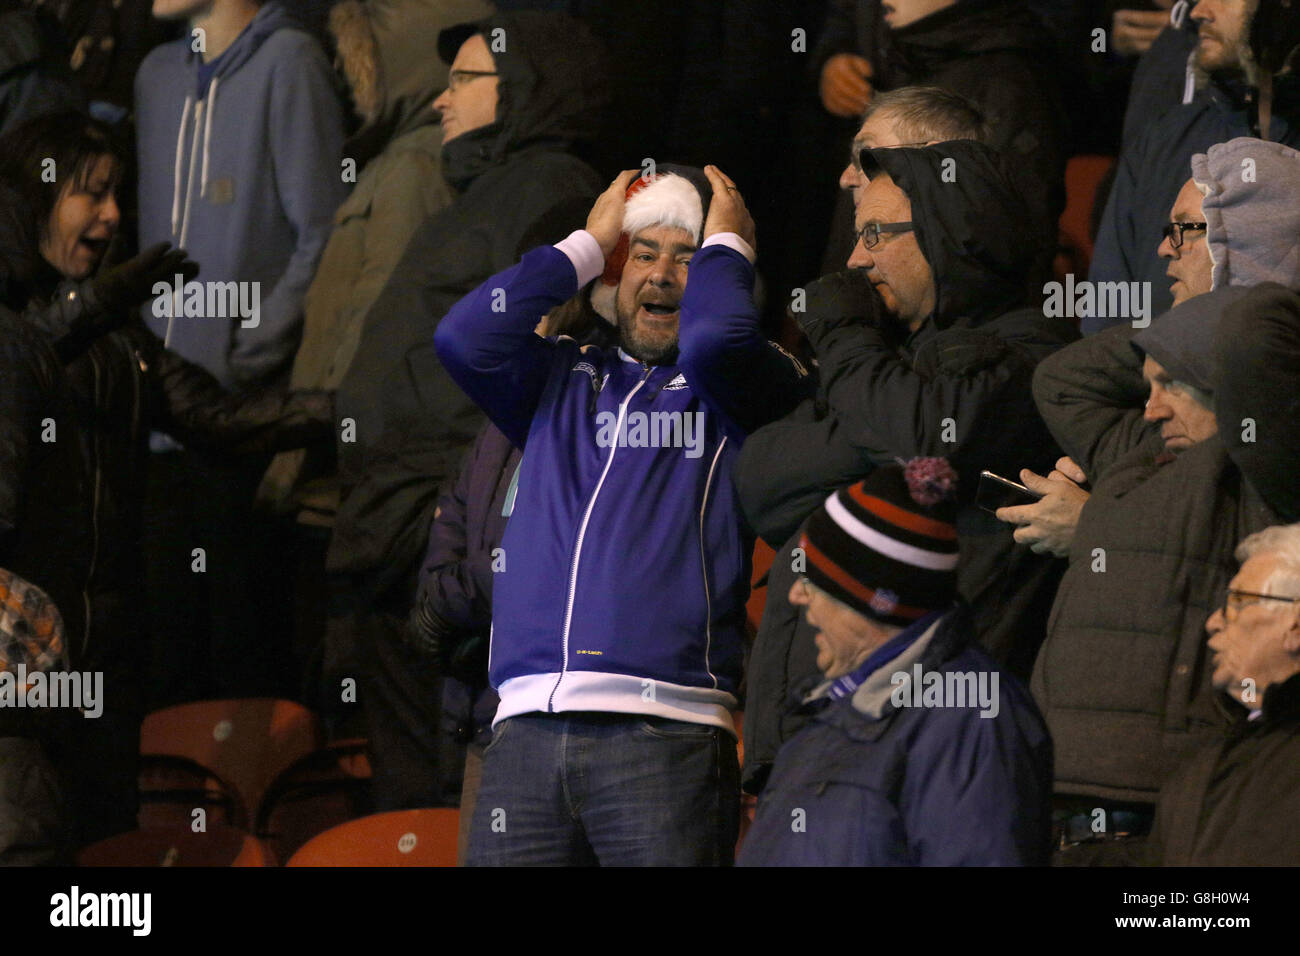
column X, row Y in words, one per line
column 957, row 387
column 995, row 52
column 520, row 185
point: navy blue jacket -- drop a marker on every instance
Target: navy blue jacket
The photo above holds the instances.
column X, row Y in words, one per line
column 866, row 783
column 626, row 567
column 1152, row 169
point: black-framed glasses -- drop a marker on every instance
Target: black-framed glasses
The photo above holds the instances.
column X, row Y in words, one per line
column 1237, row 600
column 869, row 235
column 458, row 78
column 1174, row 232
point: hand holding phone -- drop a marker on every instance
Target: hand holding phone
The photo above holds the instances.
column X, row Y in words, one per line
column 1048, row 521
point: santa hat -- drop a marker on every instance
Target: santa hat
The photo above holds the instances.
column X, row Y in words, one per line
column 675, row 196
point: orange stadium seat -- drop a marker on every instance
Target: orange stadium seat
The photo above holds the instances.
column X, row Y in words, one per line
column 324, row 789
column 401, row 838
column 1083, row 174
column 244, row 743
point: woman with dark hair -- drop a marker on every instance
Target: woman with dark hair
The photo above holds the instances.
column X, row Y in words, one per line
column 58, row 216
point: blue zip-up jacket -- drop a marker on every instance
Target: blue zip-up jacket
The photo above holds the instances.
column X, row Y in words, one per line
column 962, row 778
column 626, row 567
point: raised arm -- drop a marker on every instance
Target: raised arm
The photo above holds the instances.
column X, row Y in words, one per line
column 193, row 408
column 1091, row 395
column 488, row 342
column 722, row 350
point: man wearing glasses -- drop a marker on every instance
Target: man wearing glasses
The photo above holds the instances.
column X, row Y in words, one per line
column 1123, row 678
column 1237, row 801
column 524, row 89
column 926, row 346
column 1235, row 222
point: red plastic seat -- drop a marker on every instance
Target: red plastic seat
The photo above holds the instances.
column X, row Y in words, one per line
column 172, row 788
column 1083, row 174
column 763, row 555
column 424, row 837
column 324, row 789
column 178, row 846
column 243, row 742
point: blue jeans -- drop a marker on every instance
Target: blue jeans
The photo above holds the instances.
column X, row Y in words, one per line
column 585, row 789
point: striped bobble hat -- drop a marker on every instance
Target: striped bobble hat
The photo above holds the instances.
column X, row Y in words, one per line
column 887, row 546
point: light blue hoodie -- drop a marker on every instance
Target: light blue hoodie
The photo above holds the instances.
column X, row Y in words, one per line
column 244, row 172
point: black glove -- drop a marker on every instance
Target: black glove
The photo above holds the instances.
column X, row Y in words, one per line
column 428, row 634
column 840, row 296
column 126, row 285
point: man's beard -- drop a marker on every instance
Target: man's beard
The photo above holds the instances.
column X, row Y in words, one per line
column 1225, row 60
column 640, row 346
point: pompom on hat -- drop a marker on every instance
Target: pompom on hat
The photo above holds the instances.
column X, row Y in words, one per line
column 887, row 546
column 675, row 196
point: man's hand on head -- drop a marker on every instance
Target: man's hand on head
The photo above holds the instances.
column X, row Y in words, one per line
column 605, row 221
column 727, row 212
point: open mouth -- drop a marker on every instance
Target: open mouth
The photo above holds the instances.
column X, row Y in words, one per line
column 95, row 247
column 658, row 309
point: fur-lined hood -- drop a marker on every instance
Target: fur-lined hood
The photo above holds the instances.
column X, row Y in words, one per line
column 389, row 53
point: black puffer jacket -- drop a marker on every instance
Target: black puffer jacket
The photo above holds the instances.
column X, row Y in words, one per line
column 995, row 52
column 958, row 387
column 44, row 491
column 519, row 186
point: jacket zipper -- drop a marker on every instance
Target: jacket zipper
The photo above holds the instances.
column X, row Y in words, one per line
column 704, row 567
column 582, row 531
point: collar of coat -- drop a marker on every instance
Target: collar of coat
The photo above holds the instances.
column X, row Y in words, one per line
column 943, row 640
column 1282, row 701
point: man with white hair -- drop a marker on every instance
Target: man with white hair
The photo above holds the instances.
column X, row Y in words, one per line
column 1237, row 801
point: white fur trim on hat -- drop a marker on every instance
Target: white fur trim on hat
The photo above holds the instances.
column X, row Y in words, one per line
column 670, row 200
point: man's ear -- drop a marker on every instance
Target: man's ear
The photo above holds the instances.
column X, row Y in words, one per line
column 1291, row 638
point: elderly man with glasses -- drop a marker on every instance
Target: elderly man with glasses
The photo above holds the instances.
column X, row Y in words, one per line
column 1237, row 801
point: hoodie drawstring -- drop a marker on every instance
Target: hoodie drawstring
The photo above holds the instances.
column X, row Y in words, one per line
column 176, row 169
column 184, row 211
column 1178, row 13
column 207, row 135
column 189, row 175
